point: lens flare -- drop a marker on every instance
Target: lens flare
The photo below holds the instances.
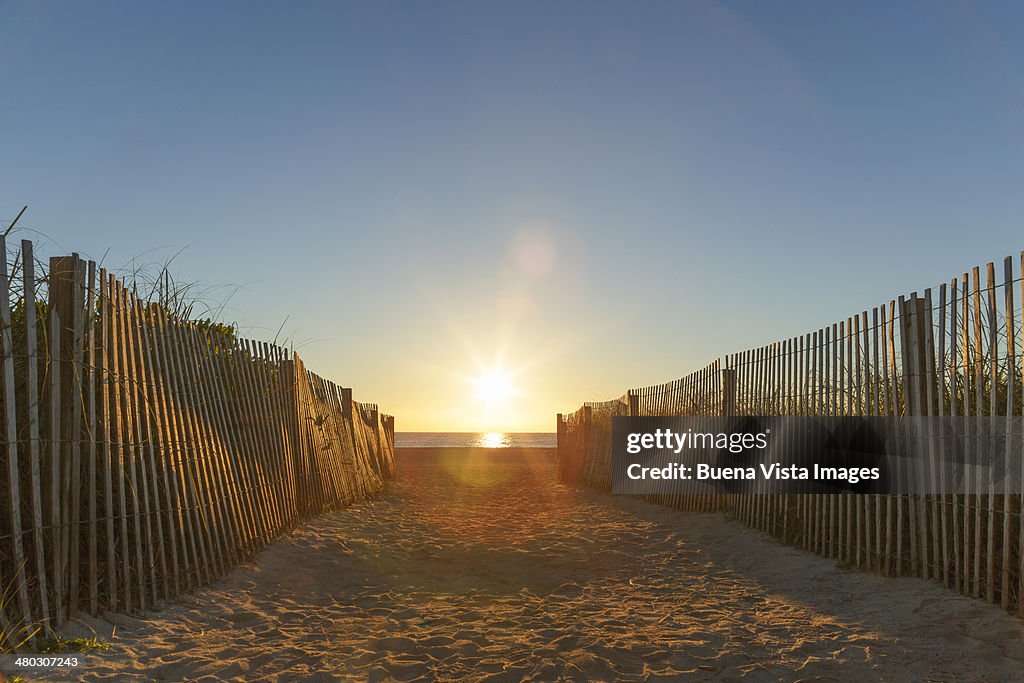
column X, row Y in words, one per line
column 494, row 387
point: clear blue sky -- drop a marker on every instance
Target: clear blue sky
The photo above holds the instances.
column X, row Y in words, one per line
column 595, row 195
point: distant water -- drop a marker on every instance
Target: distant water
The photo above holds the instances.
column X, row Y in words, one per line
column 475, row 440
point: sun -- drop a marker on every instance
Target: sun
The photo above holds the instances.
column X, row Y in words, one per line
column 494, row 386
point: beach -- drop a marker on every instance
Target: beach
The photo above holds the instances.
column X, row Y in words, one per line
column 476, row 564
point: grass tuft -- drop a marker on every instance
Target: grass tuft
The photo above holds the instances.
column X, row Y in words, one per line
column 60, row 645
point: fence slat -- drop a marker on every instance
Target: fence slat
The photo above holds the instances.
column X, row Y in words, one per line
column 54, row 462
column 1008, row 456
column 11, row 434
column 979, row 410
column 32, row 391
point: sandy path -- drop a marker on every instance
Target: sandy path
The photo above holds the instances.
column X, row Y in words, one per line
column 483, row 568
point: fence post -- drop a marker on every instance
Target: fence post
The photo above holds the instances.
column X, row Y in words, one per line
column 378, row 454
column 346, row 403
column 66, row 299
column 347, row 415
column 11, row 436
column 389, row 444
column 915, row 359
column 588, row 415
column 560, row 446
column 728, row 410
column 632, row 403
column 915, row 379
column 294, row 450
column 728, row 392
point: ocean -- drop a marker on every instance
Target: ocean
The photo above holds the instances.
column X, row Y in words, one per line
column 475, row 440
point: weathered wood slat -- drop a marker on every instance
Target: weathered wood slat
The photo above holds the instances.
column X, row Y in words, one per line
column 979, row 411
column 970, row 500
column 1010, row 507
column 954, row 369
column 54, row 460
column 92, row 431
column 11, row 437
column 76, row 393
column 32, row 398
column 993, row 411
column 940, row 453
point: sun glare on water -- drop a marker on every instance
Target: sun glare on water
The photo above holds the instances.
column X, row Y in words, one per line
column 492, row 440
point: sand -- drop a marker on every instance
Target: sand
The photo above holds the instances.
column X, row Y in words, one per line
column 479, row 566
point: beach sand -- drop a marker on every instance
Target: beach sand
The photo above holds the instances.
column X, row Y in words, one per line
column 480, row 566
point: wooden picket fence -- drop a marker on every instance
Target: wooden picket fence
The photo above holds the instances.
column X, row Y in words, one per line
column 144, row 454
column 950, row 351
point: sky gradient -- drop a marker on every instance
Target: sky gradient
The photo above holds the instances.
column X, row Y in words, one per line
column 596, row 196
